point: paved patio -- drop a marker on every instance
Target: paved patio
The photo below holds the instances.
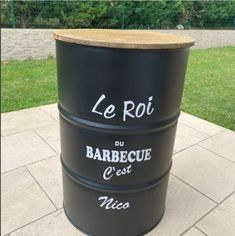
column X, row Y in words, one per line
column 200, row 200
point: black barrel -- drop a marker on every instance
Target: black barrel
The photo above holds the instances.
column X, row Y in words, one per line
column 119, row 101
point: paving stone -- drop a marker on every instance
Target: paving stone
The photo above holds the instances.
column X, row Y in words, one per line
column 18, row 121
column 194, row 232
column 51, row 110
column 22, row 200
column 205, row 171
column 23, row 148
column 186, row 136
column 184, row 206
column 222, row 144
column 55, row 224
column 48, row 174
column 221, row 221
column 199, row 124
column 51, row 134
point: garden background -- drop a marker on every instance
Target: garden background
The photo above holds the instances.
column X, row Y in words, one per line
column 118, row 14
column 210, row 80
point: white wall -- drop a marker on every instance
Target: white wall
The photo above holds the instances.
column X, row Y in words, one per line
column 20, row 44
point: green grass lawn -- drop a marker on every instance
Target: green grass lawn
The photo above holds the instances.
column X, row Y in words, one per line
column 28, row 84
column 209, row 90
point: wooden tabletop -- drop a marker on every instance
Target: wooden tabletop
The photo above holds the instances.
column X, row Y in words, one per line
column 133, row 39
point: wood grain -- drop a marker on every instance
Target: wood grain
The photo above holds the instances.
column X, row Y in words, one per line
column 132, row 39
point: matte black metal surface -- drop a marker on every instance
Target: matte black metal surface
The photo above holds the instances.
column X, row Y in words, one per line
column 118, row 118
column 146, row 209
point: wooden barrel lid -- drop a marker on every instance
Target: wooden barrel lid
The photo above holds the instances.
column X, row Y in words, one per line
column 132, row 39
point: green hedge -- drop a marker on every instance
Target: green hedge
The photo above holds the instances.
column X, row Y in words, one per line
column 118, row 14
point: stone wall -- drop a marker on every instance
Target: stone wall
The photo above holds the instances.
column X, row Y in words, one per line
column 21, row 44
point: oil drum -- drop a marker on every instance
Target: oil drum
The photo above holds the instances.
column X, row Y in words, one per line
column 119, row 101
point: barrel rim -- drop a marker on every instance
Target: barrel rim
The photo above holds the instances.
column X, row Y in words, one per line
column 126, row 39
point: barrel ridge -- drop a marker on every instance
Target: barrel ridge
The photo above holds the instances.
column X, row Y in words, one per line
column 118, row 129
column 114, row 188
